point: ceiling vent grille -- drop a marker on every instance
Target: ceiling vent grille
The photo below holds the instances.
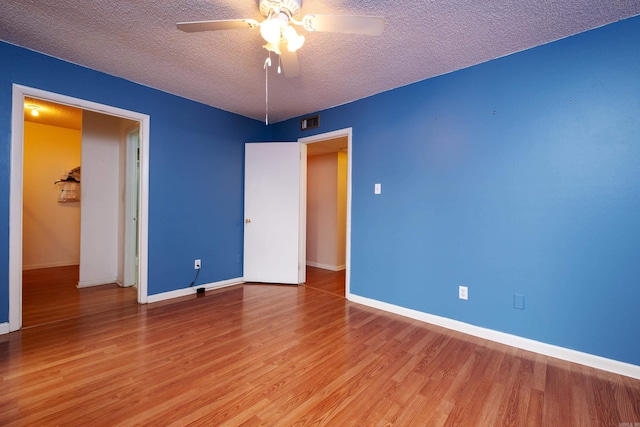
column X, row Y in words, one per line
column 310, row 122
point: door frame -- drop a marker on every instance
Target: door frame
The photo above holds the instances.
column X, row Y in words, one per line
column 15, row 198
column 323, row 137
column 130, row 263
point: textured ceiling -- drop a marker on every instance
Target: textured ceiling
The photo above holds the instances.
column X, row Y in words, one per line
column 50, row 113
column 138, row 40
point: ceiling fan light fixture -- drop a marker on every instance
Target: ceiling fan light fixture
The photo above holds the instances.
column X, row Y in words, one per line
column 294, row 40
column 281, row 36
column 271, row 30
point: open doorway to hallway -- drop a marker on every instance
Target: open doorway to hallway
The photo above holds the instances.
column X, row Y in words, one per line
column 19, row 93
column 72, row 212
column 326, row 235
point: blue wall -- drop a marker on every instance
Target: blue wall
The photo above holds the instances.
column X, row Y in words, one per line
column 517, row 176
column 195, row 177
column 520, row 175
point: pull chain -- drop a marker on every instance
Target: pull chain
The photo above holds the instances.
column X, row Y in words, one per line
column 267, row 64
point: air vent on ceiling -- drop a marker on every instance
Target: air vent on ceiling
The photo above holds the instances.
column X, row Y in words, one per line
column 309, row 122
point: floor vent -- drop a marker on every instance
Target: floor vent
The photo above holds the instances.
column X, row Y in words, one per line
column 309, row 122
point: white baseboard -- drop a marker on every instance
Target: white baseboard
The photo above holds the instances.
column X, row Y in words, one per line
column 97, row 282
column 557, row 352
column 4, row 328
column 49, row 265
column 120, row 283
column 326, row 266
column 192, row 290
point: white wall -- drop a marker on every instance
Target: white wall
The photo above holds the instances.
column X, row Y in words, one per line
column 326, row 210
column 51, row 230
column 101, row 203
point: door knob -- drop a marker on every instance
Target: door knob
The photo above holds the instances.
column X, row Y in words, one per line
column 247, row 221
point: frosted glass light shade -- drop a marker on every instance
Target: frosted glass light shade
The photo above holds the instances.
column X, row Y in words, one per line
column 294, row 41
column 270, row 30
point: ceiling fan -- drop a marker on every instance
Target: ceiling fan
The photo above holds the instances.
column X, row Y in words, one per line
column 280, row 35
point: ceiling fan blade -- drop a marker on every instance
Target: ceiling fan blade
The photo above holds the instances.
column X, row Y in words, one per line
column 289, row 60
column 225, row 24
column 349, row 24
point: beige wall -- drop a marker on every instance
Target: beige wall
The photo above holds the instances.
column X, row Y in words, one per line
column 51, row 230
column 326, row 210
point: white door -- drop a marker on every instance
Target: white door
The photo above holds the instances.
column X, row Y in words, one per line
column 274, row 206
column 132, row 166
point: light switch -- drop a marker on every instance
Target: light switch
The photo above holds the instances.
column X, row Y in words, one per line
column 377, row 189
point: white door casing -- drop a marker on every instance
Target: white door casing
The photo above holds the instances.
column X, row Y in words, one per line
column 347, row 132
column 131, row 209
column 15, row 199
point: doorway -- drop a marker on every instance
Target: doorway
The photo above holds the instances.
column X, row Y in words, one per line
column 17, row 166
column 267, row 214
column 329, row 210
column 72, row 227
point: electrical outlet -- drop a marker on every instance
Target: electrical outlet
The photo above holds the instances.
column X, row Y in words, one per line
column 463, row 292
column 196, row 264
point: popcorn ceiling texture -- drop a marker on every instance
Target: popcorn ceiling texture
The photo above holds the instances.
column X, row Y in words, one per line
column 138, row 41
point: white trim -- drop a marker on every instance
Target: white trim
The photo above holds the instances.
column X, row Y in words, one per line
column 302, row 215
column 4, row 328
column 15, row 210
column 15, row 197
column 326, row 266
column 49, row 265
column 97, row 282
column 192, row 290
column 143, row 211
column 557, row 352
column 130, row 261
column 331, row 135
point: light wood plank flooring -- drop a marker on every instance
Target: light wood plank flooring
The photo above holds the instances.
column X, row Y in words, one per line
column 289, row 356
column 327, row 281
column 51, row 295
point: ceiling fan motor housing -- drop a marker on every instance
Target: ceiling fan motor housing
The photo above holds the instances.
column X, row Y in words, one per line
column 293, row 6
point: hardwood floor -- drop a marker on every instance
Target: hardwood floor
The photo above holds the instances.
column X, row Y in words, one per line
column 289, row 356
column 51, row 295
column 326, row 280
